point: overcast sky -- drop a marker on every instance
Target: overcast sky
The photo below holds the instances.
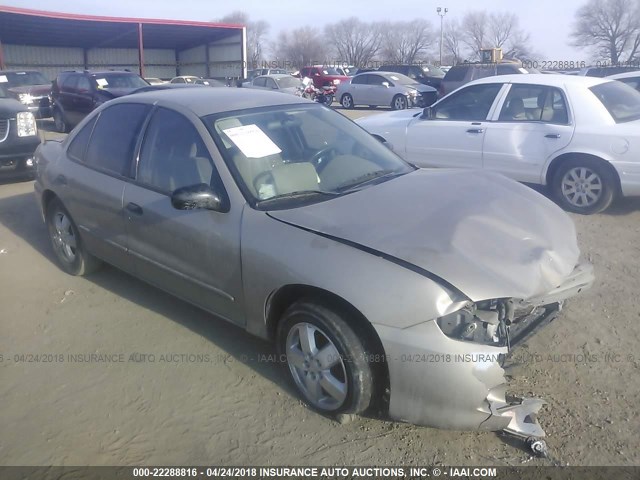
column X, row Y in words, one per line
column 548, row 21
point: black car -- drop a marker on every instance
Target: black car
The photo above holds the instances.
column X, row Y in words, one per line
column 18, row 137
column 76, row 94
column 29, row 87
column 464, row 73
column 424, row 74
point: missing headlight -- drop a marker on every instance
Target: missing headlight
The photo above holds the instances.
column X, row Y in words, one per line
column 484, row 322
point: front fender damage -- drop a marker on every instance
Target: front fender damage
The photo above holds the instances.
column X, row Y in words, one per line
column 439, row 382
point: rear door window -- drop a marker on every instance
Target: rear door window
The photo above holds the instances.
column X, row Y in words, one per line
column 114, row 138
column 456, row 74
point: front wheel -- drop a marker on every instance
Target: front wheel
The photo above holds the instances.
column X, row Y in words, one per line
column 326, row 359
column 347, row 101
column 584, row 185
column 66, row 242
column 328, row 99
column 399, row 102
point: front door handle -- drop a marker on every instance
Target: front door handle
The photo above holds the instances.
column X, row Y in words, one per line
column 134, row 208
column 475, row 130
column 552, row 135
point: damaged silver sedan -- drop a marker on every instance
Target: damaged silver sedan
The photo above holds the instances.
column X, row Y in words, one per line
column 381, row 284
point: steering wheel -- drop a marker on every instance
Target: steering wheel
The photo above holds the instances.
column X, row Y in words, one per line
column 321, row 158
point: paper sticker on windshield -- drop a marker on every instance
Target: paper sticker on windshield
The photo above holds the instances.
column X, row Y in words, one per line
column 102, row 82
column 3, row 79
column 252, row 141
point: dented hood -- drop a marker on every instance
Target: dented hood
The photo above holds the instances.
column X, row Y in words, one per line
column 486, row 235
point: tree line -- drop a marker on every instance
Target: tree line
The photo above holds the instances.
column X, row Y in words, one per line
column 608, row 29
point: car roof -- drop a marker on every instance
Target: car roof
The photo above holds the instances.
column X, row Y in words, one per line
column 542, row 79
column 635, row 73
column 275, row 76
column 208, row 101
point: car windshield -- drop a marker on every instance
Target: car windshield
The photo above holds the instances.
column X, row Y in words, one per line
column 399, row 79
column 287, row 82
column 284, row 155
column 622, row 101
column 119, row 80
column 330, row 71
column 21, row 79
column 433, row 71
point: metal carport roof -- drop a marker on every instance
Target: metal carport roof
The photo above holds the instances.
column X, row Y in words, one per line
column 36, row 27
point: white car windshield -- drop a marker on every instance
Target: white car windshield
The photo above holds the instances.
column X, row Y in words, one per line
column 399, row 79
column 286, row 154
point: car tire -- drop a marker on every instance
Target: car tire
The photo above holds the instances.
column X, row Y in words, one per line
column 59, row 121
column 66, row 242
column 399, row 102
column 331, row 370
column 346, row 101
column 584, row 185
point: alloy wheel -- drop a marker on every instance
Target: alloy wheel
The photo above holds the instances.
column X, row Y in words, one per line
column 581, row 187
column 316, row 366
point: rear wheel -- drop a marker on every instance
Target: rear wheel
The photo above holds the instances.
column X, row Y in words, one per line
column 325, row 358
column 399, row 102
column 584, row 185
column 347, row 101
column 66, row 242
column 59, row 121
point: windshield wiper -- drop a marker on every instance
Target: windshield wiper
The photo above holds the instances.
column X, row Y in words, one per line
column 365, row 179
column 296, row 194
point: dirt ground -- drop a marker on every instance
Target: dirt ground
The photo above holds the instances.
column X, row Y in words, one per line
column 182, row 387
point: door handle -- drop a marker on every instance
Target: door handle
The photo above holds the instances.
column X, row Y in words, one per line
column 134, row 208
column 552, row 135
column 475, row 130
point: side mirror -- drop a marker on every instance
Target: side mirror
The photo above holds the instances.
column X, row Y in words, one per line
column 384, row 142
column 200, row 196
column 385, row 84
column 427, row 113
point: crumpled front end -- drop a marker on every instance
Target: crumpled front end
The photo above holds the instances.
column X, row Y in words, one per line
column 447, row 373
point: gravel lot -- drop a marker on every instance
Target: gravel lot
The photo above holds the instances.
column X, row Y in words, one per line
column 206, row 393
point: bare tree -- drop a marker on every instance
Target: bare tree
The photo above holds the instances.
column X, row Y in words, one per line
column 452, row 42
column 474, row 26
column 482, row 30
column 354, row 41
column 610, row 27
column 406, row 42
column 300, row 47
column 256, row 35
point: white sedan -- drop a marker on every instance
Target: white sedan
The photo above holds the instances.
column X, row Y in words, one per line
column 579, row 135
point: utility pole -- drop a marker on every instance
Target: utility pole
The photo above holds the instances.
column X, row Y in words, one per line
column 441, row 12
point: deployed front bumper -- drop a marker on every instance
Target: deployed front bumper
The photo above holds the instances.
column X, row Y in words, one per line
column 441, row 382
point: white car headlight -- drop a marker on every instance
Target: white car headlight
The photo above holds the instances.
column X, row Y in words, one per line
column 25, row 98
column 336, row 81
column 26, row 124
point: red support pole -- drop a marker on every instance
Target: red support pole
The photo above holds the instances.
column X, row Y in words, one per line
column 140, row 50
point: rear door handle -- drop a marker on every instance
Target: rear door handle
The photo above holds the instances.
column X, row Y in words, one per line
column 475, row 130
column 134, row 208
column 552, row 135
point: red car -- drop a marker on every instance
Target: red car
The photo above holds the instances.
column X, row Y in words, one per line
column 323, row 76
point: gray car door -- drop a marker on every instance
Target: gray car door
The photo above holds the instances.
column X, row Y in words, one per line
column 92, row 183
column 193, row 254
